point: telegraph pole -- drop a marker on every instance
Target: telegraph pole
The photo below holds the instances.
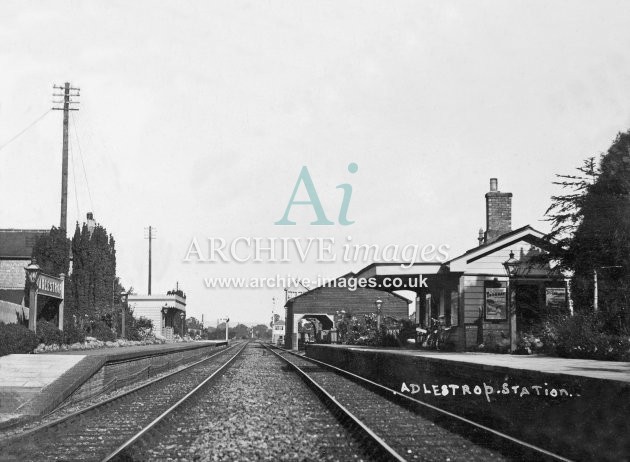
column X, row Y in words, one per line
column 150, row 235
column 68, row 93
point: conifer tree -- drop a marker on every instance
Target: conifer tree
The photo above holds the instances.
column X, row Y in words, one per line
column 591, row 228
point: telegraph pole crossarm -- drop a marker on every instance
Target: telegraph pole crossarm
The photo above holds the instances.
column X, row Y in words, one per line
column 67, row 95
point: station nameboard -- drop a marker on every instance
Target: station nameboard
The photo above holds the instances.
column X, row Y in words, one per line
column 49, row 285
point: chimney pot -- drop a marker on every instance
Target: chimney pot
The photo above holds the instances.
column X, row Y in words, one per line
column 498, row 212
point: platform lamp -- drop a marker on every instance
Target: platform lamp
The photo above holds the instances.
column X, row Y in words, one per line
column 182, row 316
column 511, row 269
column 379, row 304
column 164, row 311
column 124, row 297
column 32, row 273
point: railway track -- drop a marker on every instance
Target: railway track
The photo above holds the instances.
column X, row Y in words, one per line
column 104, row 430
column 258, row 410
column 399, row 427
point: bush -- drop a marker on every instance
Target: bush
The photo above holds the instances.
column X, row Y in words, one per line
column 15, row 338
column 140, row 328
column 585, row 336
column 389, row 340
column 103, row 332
column 73, row 334
column 528, row 344
column 48, row 333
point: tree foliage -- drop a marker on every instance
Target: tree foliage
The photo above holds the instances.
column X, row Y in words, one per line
column 602, row 240
column 261, row 331
column 591, row 226
column 94, row 286
column 566, row 211
column 52, row 253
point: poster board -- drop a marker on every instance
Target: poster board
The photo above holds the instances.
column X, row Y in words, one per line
column 495, row 303
column 556, row 298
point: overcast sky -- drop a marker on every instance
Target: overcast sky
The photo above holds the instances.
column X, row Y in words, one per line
column 197, row 117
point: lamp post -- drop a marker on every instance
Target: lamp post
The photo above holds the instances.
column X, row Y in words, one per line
column 379, row 304
column 335, row 333
column 164, row 311
column 511, row 269
column 32, row 272
column 123, row 301
column 182, row 315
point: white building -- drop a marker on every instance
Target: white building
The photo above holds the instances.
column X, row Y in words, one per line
column 167, row 311
column 277, row 332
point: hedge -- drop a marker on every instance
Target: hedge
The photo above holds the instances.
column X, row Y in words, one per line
column 15, row 338
column 49, row 334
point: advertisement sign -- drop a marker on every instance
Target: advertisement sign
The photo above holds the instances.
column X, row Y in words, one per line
column 556, row 298
column 496, row 303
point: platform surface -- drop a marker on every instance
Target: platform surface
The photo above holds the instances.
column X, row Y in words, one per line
column 607, row 370
column 113, row 353
column 23, row 377
column 34, row 371
column 589, row 422
column 30, row 384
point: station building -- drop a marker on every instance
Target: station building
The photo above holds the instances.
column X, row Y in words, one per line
column 492, row 292
column 277, row 332
column 167, row 311
column 326, row 302
column 16, row 248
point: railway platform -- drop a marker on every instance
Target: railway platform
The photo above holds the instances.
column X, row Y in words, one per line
column 618, row 371
column 34, row 384
column 583, row 403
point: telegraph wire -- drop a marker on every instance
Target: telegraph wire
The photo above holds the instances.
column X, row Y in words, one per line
column 74, row 180
column 87, row 183
column 25, row 129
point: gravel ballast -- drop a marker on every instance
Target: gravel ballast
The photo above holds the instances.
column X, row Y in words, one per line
column 258, row 410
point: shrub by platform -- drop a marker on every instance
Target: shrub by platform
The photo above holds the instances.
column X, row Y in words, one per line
column 48, row 333
column 15, row 338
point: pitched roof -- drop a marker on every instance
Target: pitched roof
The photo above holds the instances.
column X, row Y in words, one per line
column 432, row 268
column 501, row 241
column 329, row 286
column 18, row 243
column 12, row 295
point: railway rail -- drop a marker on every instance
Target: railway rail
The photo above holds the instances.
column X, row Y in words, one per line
column 258, row 410
column 103, row 431
column 399, row 427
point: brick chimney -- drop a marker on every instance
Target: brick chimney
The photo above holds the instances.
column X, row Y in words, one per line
column 498, row 212
column 91, row 223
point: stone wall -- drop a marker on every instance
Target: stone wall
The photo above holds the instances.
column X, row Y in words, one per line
column 117, row 374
